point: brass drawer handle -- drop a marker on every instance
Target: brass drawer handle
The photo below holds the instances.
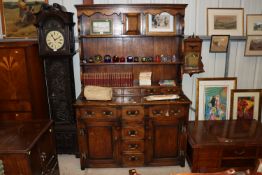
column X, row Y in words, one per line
column 133, row 146
column 132, row 113
column 132, row 133
column 157, row 112
column 108, row 113
column 175, row 112
column 239, row 152
column 89, row 113
column 133, row 158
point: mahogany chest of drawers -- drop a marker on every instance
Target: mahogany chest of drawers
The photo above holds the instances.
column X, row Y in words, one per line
column 28, row 148
column 217, row 145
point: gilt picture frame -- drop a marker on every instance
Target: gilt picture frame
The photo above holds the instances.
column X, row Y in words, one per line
column 18, row 18
column 160, row 24
column 219, row 43
column 254, row 24
column 225, row 21
column 246, row 104
column 213, row 98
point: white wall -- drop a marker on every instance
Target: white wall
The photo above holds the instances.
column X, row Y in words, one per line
column 248, row 70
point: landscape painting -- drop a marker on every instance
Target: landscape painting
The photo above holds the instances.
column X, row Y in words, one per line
column 254, row 24
column 225, row 22
column 253, row 46
column 18, row 17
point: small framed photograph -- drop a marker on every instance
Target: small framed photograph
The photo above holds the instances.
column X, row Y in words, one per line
column 254, row 24
column 160, row 24
column 253, row 46
column 18, row 17
column 219, row 43
column 246, row 104
column 213, row 98
column 225, row 21
column 101, row 27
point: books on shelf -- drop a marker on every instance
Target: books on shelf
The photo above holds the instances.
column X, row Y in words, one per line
column 116, row 79
column 167, row 83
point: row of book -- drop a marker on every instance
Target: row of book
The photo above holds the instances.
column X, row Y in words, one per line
column 116, row 79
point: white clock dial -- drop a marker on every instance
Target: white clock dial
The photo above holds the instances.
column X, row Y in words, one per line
column 55, row 40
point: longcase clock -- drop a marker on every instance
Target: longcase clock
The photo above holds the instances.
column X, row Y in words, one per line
column 56, row 48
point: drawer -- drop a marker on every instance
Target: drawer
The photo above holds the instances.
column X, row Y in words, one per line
column 132, row 91
column 204, row 154
column 133, row 159
column 170, row 90
column 133, row 132
column 97, row 113
column 150, row 91
column 16, row 115
column 167, row 111
column 132, row 113
column 133, row 146
column 239, row 152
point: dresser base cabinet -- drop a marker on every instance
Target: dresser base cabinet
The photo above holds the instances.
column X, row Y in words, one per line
column 219, row 145
column 28, row 148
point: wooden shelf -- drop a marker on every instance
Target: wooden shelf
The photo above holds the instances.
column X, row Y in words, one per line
column 126, row 36
column 130, row 63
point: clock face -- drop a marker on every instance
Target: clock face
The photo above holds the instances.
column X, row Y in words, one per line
column 55, row 40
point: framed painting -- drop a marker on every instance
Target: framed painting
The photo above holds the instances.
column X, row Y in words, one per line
column 213, row 98
column 254, row 24
column 101, row 27
column 160, row 24
column 225, row 21
column 253, row 46
column 219, row 43
column 246, row 104
column 18, row 17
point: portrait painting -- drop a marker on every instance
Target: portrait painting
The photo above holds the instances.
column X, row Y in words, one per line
column 246, row 104
column 18, row 17
column 213, row 98
column 191, row 60
column 225, row 21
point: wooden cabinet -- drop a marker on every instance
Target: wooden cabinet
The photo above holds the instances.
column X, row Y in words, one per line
column 22, row 85
column 129, row 130
column 232, row 144
column 28, row 147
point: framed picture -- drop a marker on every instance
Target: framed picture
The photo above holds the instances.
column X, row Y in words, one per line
column 160, row 24
column 219, row 43
column 225, row 21
column 213, row 98
column 101, row 27
column 253, row 46
column 246, row 104
column 254, row 24
column 18, row 17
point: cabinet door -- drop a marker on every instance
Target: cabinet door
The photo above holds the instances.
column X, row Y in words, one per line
column 165, row 142
column 14, row 94
column 99, row 144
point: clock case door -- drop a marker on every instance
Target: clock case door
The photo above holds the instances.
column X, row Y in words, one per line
column 55, row 18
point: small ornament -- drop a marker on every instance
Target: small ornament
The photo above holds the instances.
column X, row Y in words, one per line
column 136, row 59
column 157, row 58
column 98, row 59
column 115, row 59
column 90, row 60
column 107, row 59
column 129, row 59
column 122, row 59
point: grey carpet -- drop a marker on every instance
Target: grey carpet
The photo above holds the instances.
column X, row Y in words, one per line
column 69, row 165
